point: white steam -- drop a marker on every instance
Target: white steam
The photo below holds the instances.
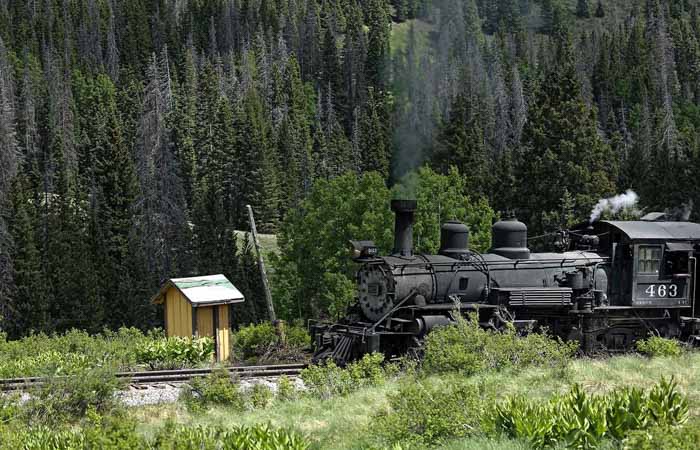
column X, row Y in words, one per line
column 614, row 204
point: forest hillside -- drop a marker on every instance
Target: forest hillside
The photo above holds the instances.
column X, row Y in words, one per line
column 133, row 132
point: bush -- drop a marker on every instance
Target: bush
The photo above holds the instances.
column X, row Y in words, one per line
column 468, row 349
column 175, row 352
column 583, row 421
column 257, row 341
column 68, row 398
column 328, row 380
column 217, row 388
column 422, row 414
column 286, row 389
column 259, row 396
column 685, row 437
column 70, row 353
column 658, row 346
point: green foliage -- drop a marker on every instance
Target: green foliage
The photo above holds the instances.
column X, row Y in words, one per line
column 328, row 380
column 314, row 273
column 72, row 352
column 113, row 431
column 580, row 420
column 217, row 388
column 469, row 349
column 425, row 414
column 260, row 340
column 258, row 437
column 286, row 389
column 686, row 437
column 66, row 398
column 659, row 346
column 175, row 352
column 119, row 433
column 259, row 396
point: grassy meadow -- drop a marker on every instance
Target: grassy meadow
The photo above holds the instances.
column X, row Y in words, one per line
column 348, row 422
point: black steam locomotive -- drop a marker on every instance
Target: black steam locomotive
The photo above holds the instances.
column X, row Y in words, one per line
column 612, row 283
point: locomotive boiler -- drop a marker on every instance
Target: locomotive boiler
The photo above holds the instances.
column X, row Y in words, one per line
column 612, row 283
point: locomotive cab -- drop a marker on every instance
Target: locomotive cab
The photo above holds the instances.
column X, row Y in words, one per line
column 652, row 262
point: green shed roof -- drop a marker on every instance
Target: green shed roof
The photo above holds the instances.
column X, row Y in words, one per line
column 203, row 291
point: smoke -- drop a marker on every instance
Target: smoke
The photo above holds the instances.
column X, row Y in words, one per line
column 682, row 213
column 425, row 81
column 614, row 204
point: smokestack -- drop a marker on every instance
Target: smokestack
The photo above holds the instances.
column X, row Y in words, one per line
column 403, row 226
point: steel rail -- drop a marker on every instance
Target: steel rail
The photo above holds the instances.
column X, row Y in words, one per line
column 166, row 376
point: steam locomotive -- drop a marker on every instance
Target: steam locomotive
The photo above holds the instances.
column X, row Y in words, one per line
column 610, row 283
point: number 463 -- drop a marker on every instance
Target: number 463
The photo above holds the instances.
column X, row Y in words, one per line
column 662, row 290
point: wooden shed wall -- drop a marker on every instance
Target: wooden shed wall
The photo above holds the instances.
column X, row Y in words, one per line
column 178, row 314
column 224, row 349
column 205, row 321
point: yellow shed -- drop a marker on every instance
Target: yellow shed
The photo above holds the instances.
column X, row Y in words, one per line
column 199, row 306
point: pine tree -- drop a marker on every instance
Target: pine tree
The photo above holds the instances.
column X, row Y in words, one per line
column 599, row 11
column 583, row 9
column 460, row 144
column 562, row 151
column 377, row 43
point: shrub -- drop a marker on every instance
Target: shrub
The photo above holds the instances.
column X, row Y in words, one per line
column 70, row 353
column 583, row 421
column 467, row 348
column 67, row 398
column 327, row 380
column 261, row 341
column 286, row 389
column 217, row 388
column 422, row 414
column 685, row 437
column 658, row 346
column 259, row 396
column 9, row 408
column 175, row 352
column 258, row 437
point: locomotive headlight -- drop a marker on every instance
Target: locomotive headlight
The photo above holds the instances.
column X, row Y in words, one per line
column 362, row 249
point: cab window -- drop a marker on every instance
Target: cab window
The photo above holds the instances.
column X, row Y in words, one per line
column 649, row 258
column 676, row 263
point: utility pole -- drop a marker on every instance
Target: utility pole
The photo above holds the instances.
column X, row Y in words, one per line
column 261, row 265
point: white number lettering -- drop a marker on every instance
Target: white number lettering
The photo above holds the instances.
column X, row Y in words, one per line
column 662, row 290
column 650, row 290
column 673, row 290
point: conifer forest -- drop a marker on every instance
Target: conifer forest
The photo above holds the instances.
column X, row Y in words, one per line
column 134, row 132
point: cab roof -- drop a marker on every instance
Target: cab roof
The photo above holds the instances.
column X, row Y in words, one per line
column 639, row 229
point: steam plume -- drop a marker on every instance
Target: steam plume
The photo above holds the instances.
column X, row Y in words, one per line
column 614, row 204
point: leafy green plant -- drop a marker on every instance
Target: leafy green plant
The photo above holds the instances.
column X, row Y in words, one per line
column 261, row 340
column 67, row 398
column 259, row 396
column 469, row 349
column 327, row 380
column 72, row 352
column 286, row 389
column 258, row 437
column 686, row 437
column 217, row 388
column 175, row 352
column 659, row 346
column 425, row 414
column 584, row 421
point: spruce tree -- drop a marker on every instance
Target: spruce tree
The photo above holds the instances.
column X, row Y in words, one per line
column 599, row 11
column 562, row 150
column 583, row 9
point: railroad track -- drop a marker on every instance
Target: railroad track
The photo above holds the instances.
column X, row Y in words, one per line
column 168, row 376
